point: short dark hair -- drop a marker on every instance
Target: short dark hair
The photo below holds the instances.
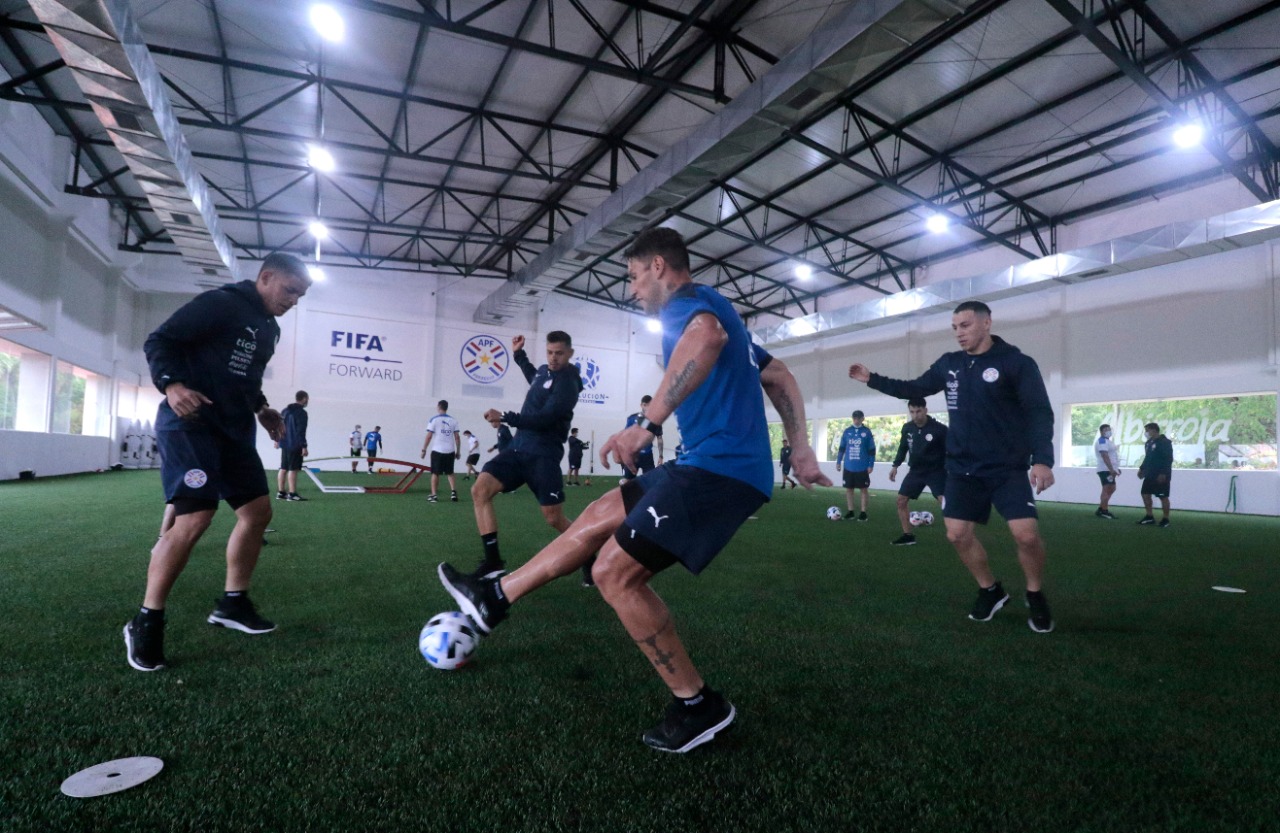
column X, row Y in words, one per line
column 573, row 430
column 377, row 428
column 443, row 404
column 285, row 262
column 1152, row 426
column 646, row 399
column 858, row 415
column 973, row 306
column 660, row 242
column 917, row 402
column 468, row 433
column 559, row 337
column 1103, row 425
column 300, row 395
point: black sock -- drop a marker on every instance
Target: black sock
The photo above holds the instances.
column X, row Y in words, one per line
column 698, row 702
column 151, row 612
column 234, row 594
column 490, row 542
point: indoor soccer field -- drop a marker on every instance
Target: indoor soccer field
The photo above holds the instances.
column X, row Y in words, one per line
column 866, row 699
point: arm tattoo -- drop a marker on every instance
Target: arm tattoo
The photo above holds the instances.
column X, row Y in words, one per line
column 679, row 384
column 660, row 658
column 787, row 410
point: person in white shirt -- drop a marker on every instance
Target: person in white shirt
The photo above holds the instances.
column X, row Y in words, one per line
column 1104, row 448
column 473, row 453
column 357, row 444
column 445, row 444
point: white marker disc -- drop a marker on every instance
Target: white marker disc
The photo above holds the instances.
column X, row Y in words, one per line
column 111, row 777
column 1229, row 589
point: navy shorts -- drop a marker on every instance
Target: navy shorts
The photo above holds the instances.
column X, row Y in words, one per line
column 575, row 462
column 442, row 462
column 1151, row 487
column 970, row 498
column 514, row 469
column 786, row 470
column 208, row 466
column 291, row 459
column 685, row 514
column 472, row 459
column 644, row 464
column 857, row 479
column 1107, row 478
column 914, row 483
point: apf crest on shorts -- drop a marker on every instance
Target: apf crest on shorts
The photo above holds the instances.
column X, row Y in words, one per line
column 195, row 478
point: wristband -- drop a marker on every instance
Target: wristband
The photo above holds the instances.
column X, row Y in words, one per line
column 649, row 425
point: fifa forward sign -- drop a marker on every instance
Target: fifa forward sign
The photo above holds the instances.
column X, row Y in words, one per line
column 368, row 354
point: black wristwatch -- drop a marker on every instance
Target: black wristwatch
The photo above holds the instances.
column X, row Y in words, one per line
column 649, row 425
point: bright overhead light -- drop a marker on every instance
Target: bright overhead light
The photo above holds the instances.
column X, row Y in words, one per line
column 317, row 274
column 318, row 230
column 320, row 159
column 937, row 223
column 654, row 325
column 1188, row 135
column 328, row 22
column 803, row 272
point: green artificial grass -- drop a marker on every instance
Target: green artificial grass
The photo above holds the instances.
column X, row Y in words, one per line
column 867, row 701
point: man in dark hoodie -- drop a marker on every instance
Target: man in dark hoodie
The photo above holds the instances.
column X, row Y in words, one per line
column 1001, row 422
column 208, row 360
column 293, row 447
column 542, row 426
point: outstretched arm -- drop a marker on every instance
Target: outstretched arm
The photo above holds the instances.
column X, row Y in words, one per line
column 784, row 392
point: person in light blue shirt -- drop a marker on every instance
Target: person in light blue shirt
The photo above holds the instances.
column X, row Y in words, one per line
column 857, row 457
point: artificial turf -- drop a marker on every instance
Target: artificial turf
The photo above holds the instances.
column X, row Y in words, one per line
column 867, row 701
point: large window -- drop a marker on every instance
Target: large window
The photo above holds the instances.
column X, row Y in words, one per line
column 886, row 429
column 1225, row 432
column 80, row 403
column 777, row 435
column 10, row 370
column 24, row 388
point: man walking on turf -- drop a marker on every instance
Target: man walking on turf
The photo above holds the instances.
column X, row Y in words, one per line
column 857, row 456
column 357, row 444
column 1000, row 422
column 446, row 446
column 925, row 440
column 207, row 359
column 473, row 454
column 784, row 463
column 644, row 459
column 576, row 447
column 685, row 511
column 373, row 444
column 1156, row 470
column 542, row 426
column 1104, row 448
column 293, row 447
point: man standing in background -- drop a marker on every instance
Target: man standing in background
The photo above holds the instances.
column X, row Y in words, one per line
column 473, row 453
column 1156, row 470
column 373, row 444
column 357, row 444
column 504, row 435
column 445, row 445
column 925, row 439
column 293, row 447
column 1104, row 448
column 857, row 456
column 576, row 447
column 644, row 459
column 784, row 462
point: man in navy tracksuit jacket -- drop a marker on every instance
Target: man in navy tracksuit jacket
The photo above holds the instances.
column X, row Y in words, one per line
column 1001, row 422
column 542, row 426
column 293, row 447
column 208, row 360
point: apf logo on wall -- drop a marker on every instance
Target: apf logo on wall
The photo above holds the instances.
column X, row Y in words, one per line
column 364, row 346
column 484, row 359
column 591, row 373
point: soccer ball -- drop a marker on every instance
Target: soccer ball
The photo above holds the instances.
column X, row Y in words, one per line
column 834, row 513
column 920, row 518
column 448, row 641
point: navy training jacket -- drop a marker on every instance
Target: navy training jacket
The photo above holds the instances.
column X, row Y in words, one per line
column 547, row 414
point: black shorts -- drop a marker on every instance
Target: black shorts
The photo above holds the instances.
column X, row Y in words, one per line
column 575, row 462
column 291, row 459
column 472, row 459
column 1151, row 487
column 1107, row 478
column 786, row 470
column 205, row 465
column 442, row 462
column 514, row 469
column 857, row 479
column 970, row 498
column 355, row 452
column 643, row 464
column 914, row 483
column 683, row 514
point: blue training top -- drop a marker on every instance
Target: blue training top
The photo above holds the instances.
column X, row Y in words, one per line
column 857, row 448
column 722, row 422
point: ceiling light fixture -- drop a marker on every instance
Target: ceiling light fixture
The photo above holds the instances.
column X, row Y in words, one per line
column 328, row 22
column 654, row 325
column 937, row 223
column 1188, row 135
column 320, row 159
column 318, row 230
column 317, row 274
column 803, row 272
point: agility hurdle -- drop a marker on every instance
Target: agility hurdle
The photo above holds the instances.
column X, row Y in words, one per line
column 406, row 480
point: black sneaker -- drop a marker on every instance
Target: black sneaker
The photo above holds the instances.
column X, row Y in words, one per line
column 1164, row 523
column 453, row 498
column 432, row 499
column 489, row 570
column 904, row 540
column 1147, row 521
column 989, row 600
column 282, row 495
column 144, row 643
column 862, row 516
column 1105, row 515
column 295, row 496
column 1040, row 620
column 475, row 597
column 587, row 579
column 850, row 515
column 683, row 729
column 239, row 614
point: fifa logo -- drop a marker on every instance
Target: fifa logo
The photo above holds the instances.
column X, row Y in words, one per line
column 355, row 341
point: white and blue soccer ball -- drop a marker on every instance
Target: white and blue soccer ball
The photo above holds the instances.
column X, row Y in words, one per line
column 834, row 513
column 920, row 518
column 448, row 641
